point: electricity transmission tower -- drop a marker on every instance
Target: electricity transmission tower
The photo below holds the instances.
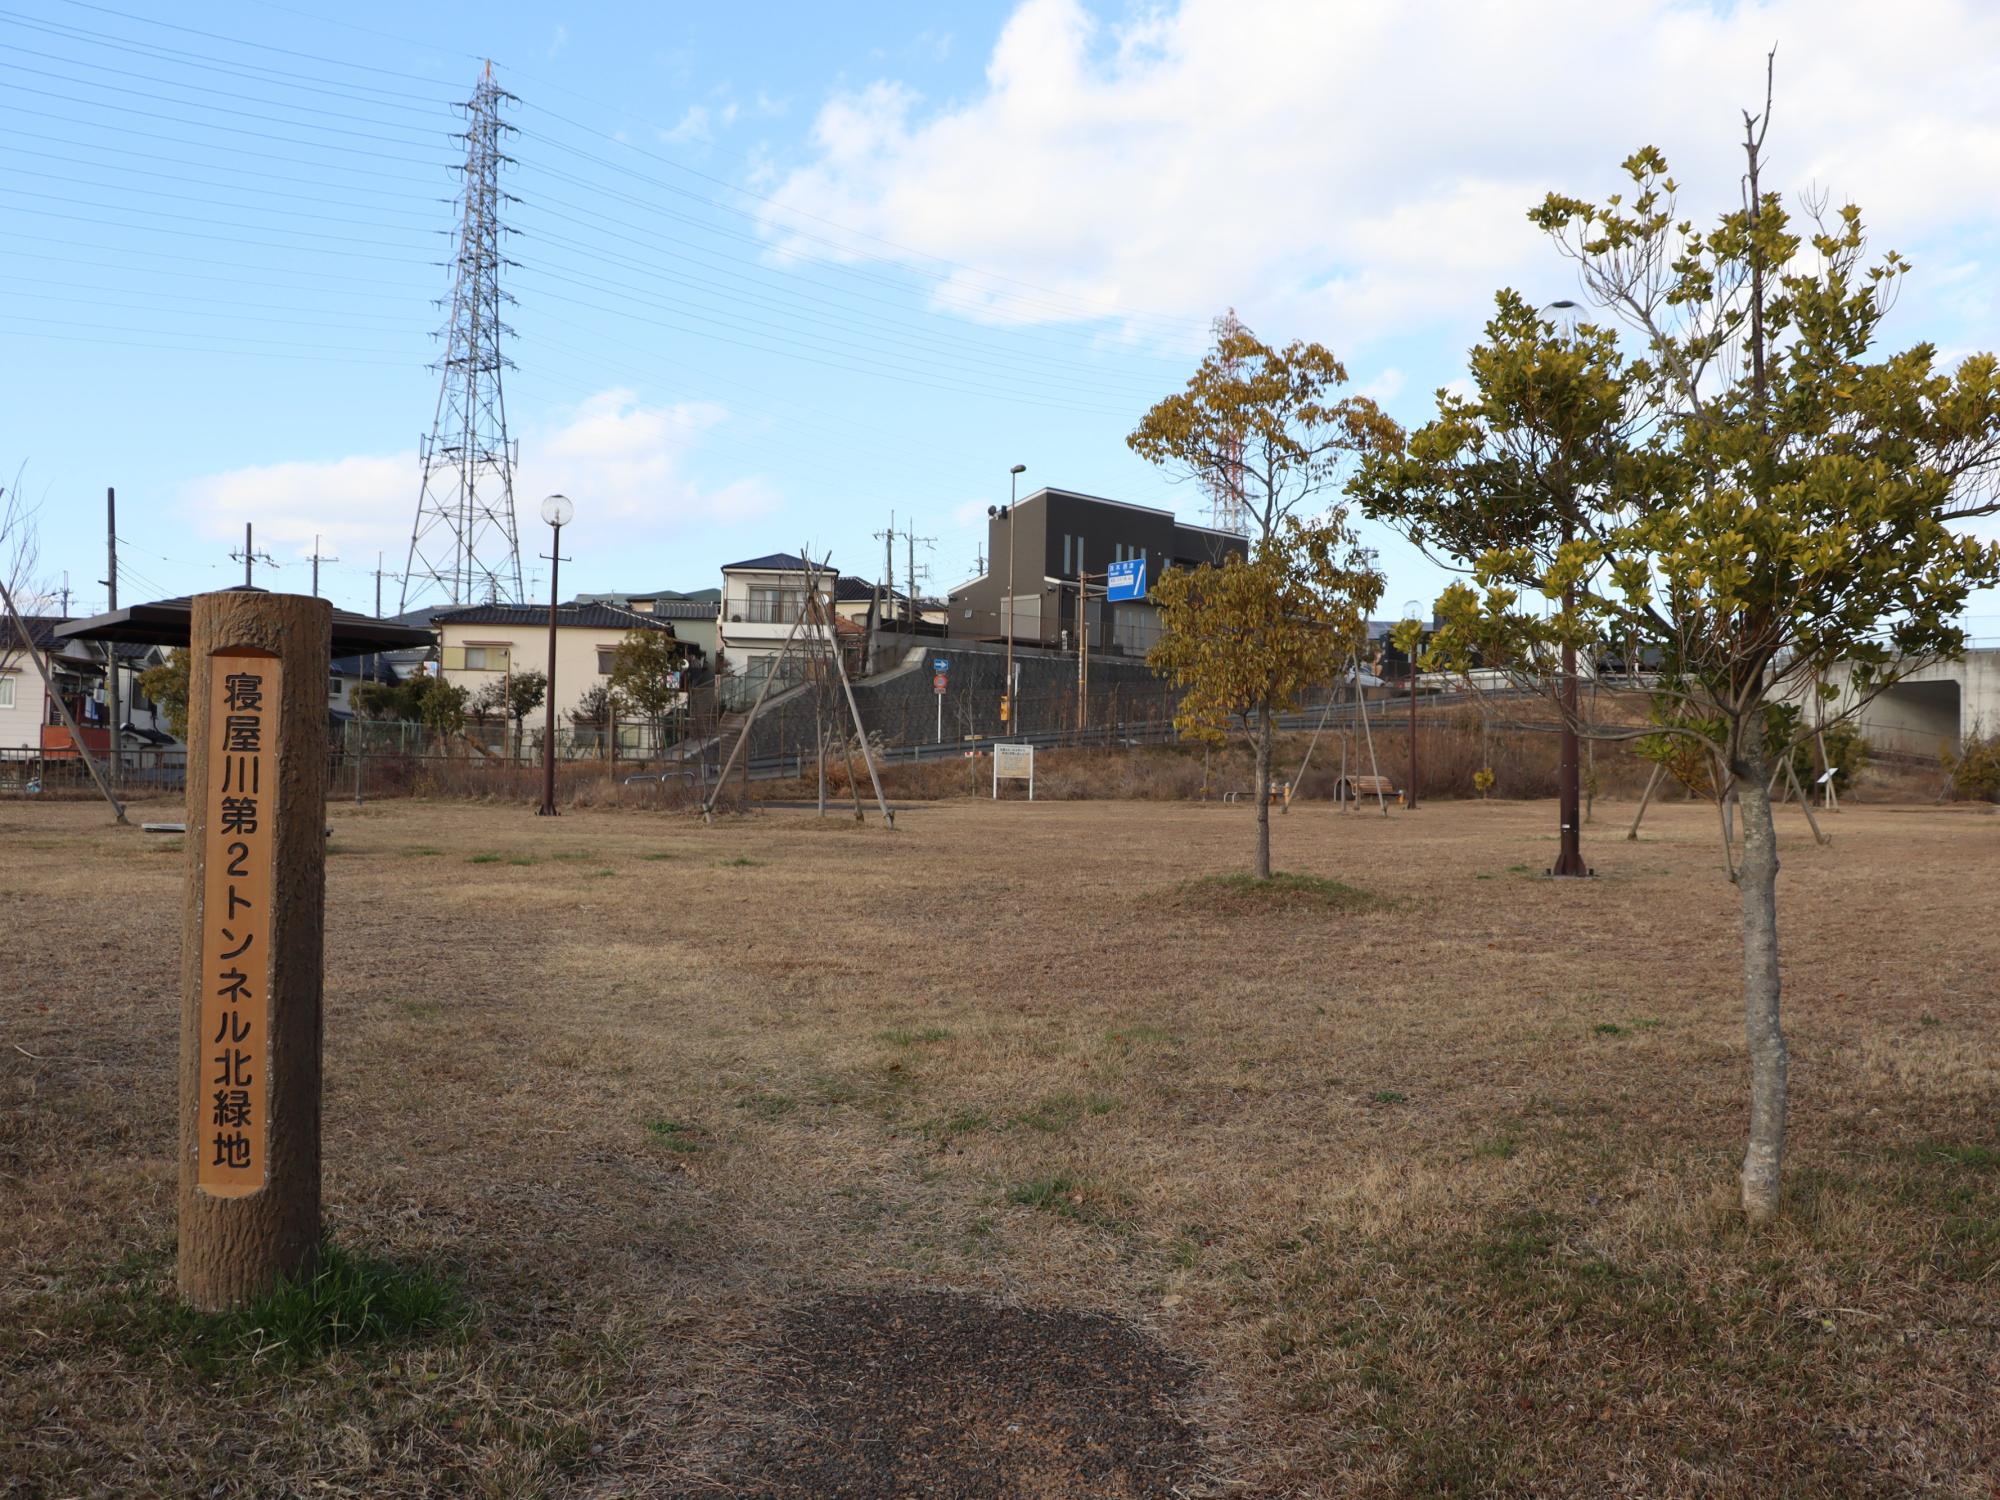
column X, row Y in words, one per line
column 464, row 545
column 1226, row 508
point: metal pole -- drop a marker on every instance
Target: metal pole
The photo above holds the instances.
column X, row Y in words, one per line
column 548, row 807
column 110, row 647
column 1007, row 695
column 1410, row 800
column 1569, row 859
column 246, row 554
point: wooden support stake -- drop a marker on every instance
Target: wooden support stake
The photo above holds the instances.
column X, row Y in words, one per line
column 251, row 944
column 1651, row 781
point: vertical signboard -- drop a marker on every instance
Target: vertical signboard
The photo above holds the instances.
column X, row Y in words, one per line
column 251, row 944
column 235, row 1102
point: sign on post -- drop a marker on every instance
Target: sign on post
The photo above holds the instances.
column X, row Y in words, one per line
column 1015, row 763
column 251, row 944
column 940, row 663
column 244, row 723
column 1125, row 581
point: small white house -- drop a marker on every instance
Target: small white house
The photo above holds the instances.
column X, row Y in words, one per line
column 763, row 602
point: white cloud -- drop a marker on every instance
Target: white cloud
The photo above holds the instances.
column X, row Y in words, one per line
column 700, row 123
column 625, row 463
column 692, row 126
column 1346, row 170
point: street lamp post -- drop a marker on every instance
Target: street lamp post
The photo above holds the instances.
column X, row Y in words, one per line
column 1007, row 693
column 1410, row 801
column 557, row 511
column 1569, row 803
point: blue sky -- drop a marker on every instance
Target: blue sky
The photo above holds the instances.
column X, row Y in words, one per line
column 789, row 270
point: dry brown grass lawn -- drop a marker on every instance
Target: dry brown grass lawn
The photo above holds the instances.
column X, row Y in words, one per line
column 1432, row 1192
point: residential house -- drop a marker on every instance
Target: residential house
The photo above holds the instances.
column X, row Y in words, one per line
column 482, row 644
column 347, row 674
column 1042, row 551
column 693, row 614
column 30, row 721
column 763, row 608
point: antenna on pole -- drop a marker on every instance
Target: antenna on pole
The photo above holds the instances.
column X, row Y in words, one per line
column 318, row 557
column 464, row 544
column 250, row 556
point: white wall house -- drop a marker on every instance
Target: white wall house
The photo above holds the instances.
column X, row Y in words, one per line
column 763, row 599
column 29, row 722
column 487, row 643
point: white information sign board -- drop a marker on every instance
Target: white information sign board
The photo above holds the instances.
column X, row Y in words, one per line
column 1016, row 763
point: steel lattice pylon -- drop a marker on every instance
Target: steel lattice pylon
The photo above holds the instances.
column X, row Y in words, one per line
column 464, row 545
column 1226, row 508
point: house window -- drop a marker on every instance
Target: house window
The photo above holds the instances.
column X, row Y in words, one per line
column 6, row 689
column 1068, row 541
column 478, row 659
column 333, row 687
column 607, row 660
column 775, row 606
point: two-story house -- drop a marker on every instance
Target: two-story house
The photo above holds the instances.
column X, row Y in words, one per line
column 764, row 607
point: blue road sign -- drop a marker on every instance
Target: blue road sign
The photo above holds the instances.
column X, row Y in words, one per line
column 940, row 663
column 1126, row 580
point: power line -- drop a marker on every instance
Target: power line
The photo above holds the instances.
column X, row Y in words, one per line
column 253, row 72
column 215, row 36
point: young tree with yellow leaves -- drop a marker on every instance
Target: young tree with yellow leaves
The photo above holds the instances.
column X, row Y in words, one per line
column 1776, row 498
column 1244, row 640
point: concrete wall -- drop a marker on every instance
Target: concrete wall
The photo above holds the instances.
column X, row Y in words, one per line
column 1935, row 707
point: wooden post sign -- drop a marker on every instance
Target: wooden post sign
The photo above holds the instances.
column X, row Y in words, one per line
column 251, row 944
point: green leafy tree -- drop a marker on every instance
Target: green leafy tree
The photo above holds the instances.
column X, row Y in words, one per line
column 425, row 698
column 513, row 697
column 1785, row 501
column 167, row 685
column 1244, row 640
column 648, row 674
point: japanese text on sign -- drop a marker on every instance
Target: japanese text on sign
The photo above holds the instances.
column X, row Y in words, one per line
column 234, row 1098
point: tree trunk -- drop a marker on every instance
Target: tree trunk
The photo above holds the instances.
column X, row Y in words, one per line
column 1757, row 883
column 1264, row 793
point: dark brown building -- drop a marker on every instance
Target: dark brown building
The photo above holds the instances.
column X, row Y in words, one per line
column 1051, row 538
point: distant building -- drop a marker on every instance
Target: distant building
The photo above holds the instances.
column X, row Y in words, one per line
column 30, row 720
column 1053, row 537
column 692, row 614
column 487, row 643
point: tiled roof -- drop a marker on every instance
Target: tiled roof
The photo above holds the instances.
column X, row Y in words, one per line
column 677, row 609
column 776, row 562
column 40, row 628
column 848, row 589
column 568, row 616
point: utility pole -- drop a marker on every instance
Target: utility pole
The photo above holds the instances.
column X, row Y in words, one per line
column 65, row 594
column 317, row 559
column 110, row 648
column 911, row 603
column 378, row 585
column 557, row 511
column 250, row 555
column 1083, row 652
